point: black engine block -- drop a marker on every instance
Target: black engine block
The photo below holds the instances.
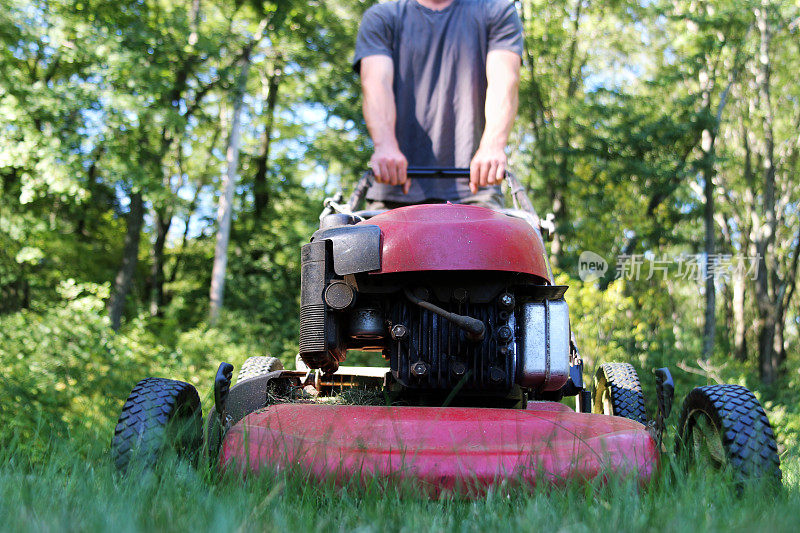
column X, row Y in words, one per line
column 429, row 352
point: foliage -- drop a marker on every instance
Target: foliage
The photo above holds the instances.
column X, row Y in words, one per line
column 67, row 368
column 68, row 372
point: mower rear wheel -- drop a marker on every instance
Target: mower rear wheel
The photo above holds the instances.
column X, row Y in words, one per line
column 258, row 366
column 159, row 416
column 617, row 392
column 726, row 427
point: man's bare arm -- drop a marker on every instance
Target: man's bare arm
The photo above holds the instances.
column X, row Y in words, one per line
column 380, row 113
column 489, row 164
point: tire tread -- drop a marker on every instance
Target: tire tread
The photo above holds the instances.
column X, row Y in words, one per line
column 258, row 366
column 625, row 390
column 747, row 436
column 142, row 425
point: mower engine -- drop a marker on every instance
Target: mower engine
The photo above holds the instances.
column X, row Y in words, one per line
column 526, row 345
column 457, row 298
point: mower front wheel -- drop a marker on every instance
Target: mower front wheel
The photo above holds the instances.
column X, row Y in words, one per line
column 617, row 392
column 725, row 426
column 159, row 416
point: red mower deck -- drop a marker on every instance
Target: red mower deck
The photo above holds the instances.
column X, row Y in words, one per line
column 442, row 448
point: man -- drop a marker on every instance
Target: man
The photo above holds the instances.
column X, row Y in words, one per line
column 440, row 80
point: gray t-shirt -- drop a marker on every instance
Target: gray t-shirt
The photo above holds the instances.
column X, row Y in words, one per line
column 439, row 82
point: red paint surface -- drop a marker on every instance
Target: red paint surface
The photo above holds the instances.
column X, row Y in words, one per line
column 441, row 448
column 457, row 237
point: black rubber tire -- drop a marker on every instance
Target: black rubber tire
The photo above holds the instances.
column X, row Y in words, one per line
column 741, row 425
column 159, row 416
column 617, row 392
column 258, row 366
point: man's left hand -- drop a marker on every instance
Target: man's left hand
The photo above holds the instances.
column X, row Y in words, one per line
column 488, row 167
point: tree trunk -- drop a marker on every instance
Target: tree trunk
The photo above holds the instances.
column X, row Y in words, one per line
column 91, row 186
column 710, row 324
column 163, row 223
column 766, row 342
column 786, row 297
column 778, row 346
column 225, row 208
column 260, row 188
column 727, row 316
column 747, row 244
column 768, row 363
column 739, row 325
column 130, row 257
column 707, row 78
column 560, row 204
column 708, row 144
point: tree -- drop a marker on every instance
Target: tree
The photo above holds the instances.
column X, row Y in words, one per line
column 225, row 210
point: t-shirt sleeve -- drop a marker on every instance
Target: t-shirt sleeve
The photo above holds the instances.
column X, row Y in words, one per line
column 505, row 27
column 375, row 35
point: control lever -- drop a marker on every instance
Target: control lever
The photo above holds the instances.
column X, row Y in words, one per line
column 665, row 393
column 475, row 328
column 222, row 386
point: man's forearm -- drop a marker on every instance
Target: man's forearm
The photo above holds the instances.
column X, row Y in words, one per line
column 488, row 165
column 502, row 99
column 380, row 111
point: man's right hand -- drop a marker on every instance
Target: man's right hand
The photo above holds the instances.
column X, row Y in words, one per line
column 389, row 166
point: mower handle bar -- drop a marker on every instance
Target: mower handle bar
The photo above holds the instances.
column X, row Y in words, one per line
column 436, row 172
column 368, row 178
column 521, row 200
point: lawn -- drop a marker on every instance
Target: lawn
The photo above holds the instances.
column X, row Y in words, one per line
column 77, row 489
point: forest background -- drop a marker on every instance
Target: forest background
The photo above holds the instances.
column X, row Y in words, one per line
column 152, row 149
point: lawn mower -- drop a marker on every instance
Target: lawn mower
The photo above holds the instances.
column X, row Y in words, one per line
column 479, row 358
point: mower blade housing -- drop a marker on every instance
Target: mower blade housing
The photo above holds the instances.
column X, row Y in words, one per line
column 449, row 448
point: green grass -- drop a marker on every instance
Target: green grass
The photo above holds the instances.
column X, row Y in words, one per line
column 74, row 491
